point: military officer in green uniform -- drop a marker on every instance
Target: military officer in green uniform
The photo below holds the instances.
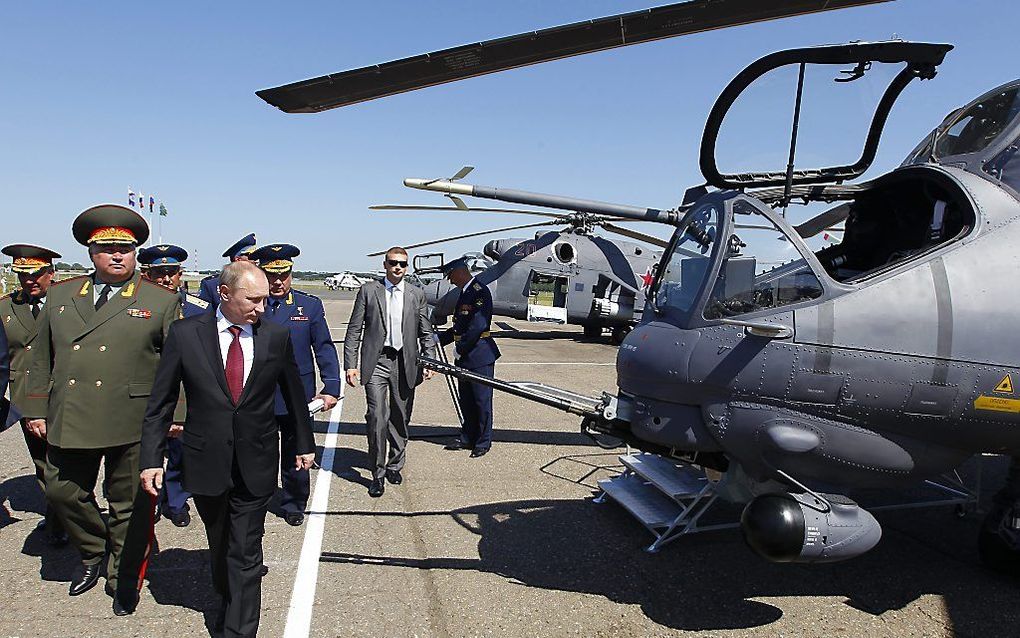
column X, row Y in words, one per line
column 19, row 312
column 100, row 337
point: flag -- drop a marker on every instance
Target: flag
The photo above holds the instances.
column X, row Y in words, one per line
column 141, row 201
column 131, row 197
column 152, row 202
column 162, row 210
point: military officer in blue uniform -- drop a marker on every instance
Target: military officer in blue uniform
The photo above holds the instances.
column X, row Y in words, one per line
column 477, row 352
column 209, row 288
column 305, row 317
column 163, row 265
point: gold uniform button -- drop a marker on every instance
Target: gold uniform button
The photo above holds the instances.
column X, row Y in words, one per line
column 71, row 382
column 99, row 384
column 76, row 346
column 102, row 348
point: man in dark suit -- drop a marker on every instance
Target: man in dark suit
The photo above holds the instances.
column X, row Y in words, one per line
column 389, row 325
column 303, row 315
column 231, row 365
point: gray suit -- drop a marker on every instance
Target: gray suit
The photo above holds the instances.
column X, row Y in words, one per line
column 398, row 373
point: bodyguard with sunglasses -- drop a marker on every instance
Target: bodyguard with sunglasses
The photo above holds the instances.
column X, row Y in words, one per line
column 389, row 325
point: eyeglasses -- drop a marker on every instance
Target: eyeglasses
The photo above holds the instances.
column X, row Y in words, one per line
column 396, row 262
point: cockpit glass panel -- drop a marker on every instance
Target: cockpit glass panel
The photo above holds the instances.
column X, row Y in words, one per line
column 689, row 262
column 978, row 126
column 761, row 269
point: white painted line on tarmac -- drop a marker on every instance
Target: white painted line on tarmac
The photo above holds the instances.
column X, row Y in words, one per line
column 299, row 616
column 500, row 364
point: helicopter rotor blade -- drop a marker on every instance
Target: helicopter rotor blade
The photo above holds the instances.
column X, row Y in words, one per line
column 823, row 221
column 466, row 236
column 633, row 234
column 470, row 209
column 481, row 58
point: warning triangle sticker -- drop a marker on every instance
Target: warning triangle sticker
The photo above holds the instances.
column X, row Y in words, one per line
column 1005, row 386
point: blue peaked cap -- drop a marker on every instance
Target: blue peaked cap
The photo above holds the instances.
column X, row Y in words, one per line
column 162, row 255
column 241, row 246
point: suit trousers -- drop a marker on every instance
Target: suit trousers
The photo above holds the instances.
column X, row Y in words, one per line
column 37, row 451
column 296, row 483
column 174, row 498
column 71, row 476
column 235, row 522
column 389, row 411
column 476, row 405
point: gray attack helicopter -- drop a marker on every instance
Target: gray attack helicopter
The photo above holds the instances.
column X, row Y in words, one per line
column 882, row 360
column 572, row 275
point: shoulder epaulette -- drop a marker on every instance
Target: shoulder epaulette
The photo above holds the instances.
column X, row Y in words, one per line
column 196, row 301
column 304, row 294
column 64, row 281
column 9, row 295
column 207, row 277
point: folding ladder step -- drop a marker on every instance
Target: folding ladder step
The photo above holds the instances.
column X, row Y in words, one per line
column 676, row 481
column 644, row 502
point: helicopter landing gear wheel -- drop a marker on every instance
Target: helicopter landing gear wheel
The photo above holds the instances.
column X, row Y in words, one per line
column 619, row 334
column 592, row 331
column 999, row 541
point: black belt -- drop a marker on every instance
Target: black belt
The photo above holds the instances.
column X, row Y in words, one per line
column 390, row 351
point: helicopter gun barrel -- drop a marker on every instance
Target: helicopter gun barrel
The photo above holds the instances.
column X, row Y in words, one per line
column 561, row 202
column 538, row 392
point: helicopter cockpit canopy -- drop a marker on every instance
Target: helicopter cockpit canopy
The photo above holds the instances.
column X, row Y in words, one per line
column 732, row 256
column 982, row 137
column 844, row 63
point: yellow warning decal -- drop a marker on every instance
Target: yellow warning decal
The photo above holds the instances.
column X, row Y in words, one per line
column 1005, row 386
column 997, row 404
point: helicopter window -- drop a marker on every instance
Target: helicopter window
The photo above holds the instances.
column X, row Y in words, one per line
column 978, row 126
column 690, row 260
column 761, row 269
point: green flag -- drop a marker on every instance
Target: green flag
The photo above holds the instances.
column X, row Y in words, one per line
column 162, row 210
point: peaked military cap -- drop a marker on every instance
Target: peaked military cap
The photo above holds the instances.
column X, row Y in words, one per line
column 28, row 258
column 242, row 246
column 162, row 255
column 450, row 266
column 110, row 224
column 276, row 258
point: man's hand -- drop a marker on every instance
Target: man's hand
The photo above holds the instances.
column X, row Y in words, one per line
column 304, row 461
column 152, row 480
column 36, row 427
column 176, row 430
column 328, row 399
column 428, row 374
column 353, row 376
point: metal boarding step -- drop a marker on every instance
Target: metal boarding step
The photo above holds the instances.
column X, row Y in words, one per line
column 665, row 496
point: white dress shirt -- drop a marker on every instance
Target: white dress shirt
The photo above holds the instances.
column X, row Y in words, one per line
column 394, row 314
column 226, row 338
column 468, row 285
column 97, row 288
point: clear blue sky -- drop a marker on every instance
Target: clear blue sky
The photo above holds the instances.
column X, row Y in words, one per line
column 160, row 96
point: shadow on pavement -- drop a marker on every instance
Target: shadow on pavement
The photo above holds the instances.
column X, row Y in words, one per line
column 180, row 577
column 712, row 581
column 24, row 494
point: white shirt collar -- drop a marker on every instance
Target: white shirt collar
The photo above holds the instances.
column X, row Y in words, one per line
column 390, row 285
column 222, row 323
column 467, row 285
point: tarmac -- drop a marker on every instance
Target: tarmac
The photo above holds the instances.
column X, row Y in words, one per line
column 510, row 544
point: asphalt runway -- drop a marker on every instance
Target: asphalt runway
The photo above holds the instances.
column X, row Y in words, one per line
column 509, row 544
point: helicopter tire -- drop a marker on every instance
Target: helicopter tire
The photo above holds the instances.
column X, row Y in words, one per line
column 619, row 334
column 592, row 331
column 996, row 554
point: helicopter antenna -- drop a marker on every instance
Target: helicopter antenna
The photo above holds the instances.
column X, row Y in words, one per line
column 793, row 138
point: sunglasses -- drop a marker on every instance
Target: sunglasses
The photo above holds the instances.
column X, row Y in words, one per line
column 396, row 262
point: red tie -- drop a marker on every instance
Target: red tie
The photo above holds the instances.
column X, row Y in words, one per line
column 235, row 365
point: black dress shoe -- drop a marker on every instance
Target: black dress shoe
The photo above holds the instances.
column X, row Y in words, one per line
column 294, row 518
column 125, row 603
column 376, row 489
column 456, row 445
column 394, row 477
column 181, row 518
column 84, row 580
column 479, row 451
column 264, row 570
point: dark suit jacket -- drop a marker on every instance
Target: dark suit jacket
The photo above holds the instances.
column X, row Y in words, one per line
column 8, row 414
column 369, row 317
column 215, row 430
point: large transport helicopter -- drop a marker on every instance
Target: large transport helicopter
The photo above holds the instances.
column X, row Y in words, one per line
column 572, row 275
column 881, row 360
